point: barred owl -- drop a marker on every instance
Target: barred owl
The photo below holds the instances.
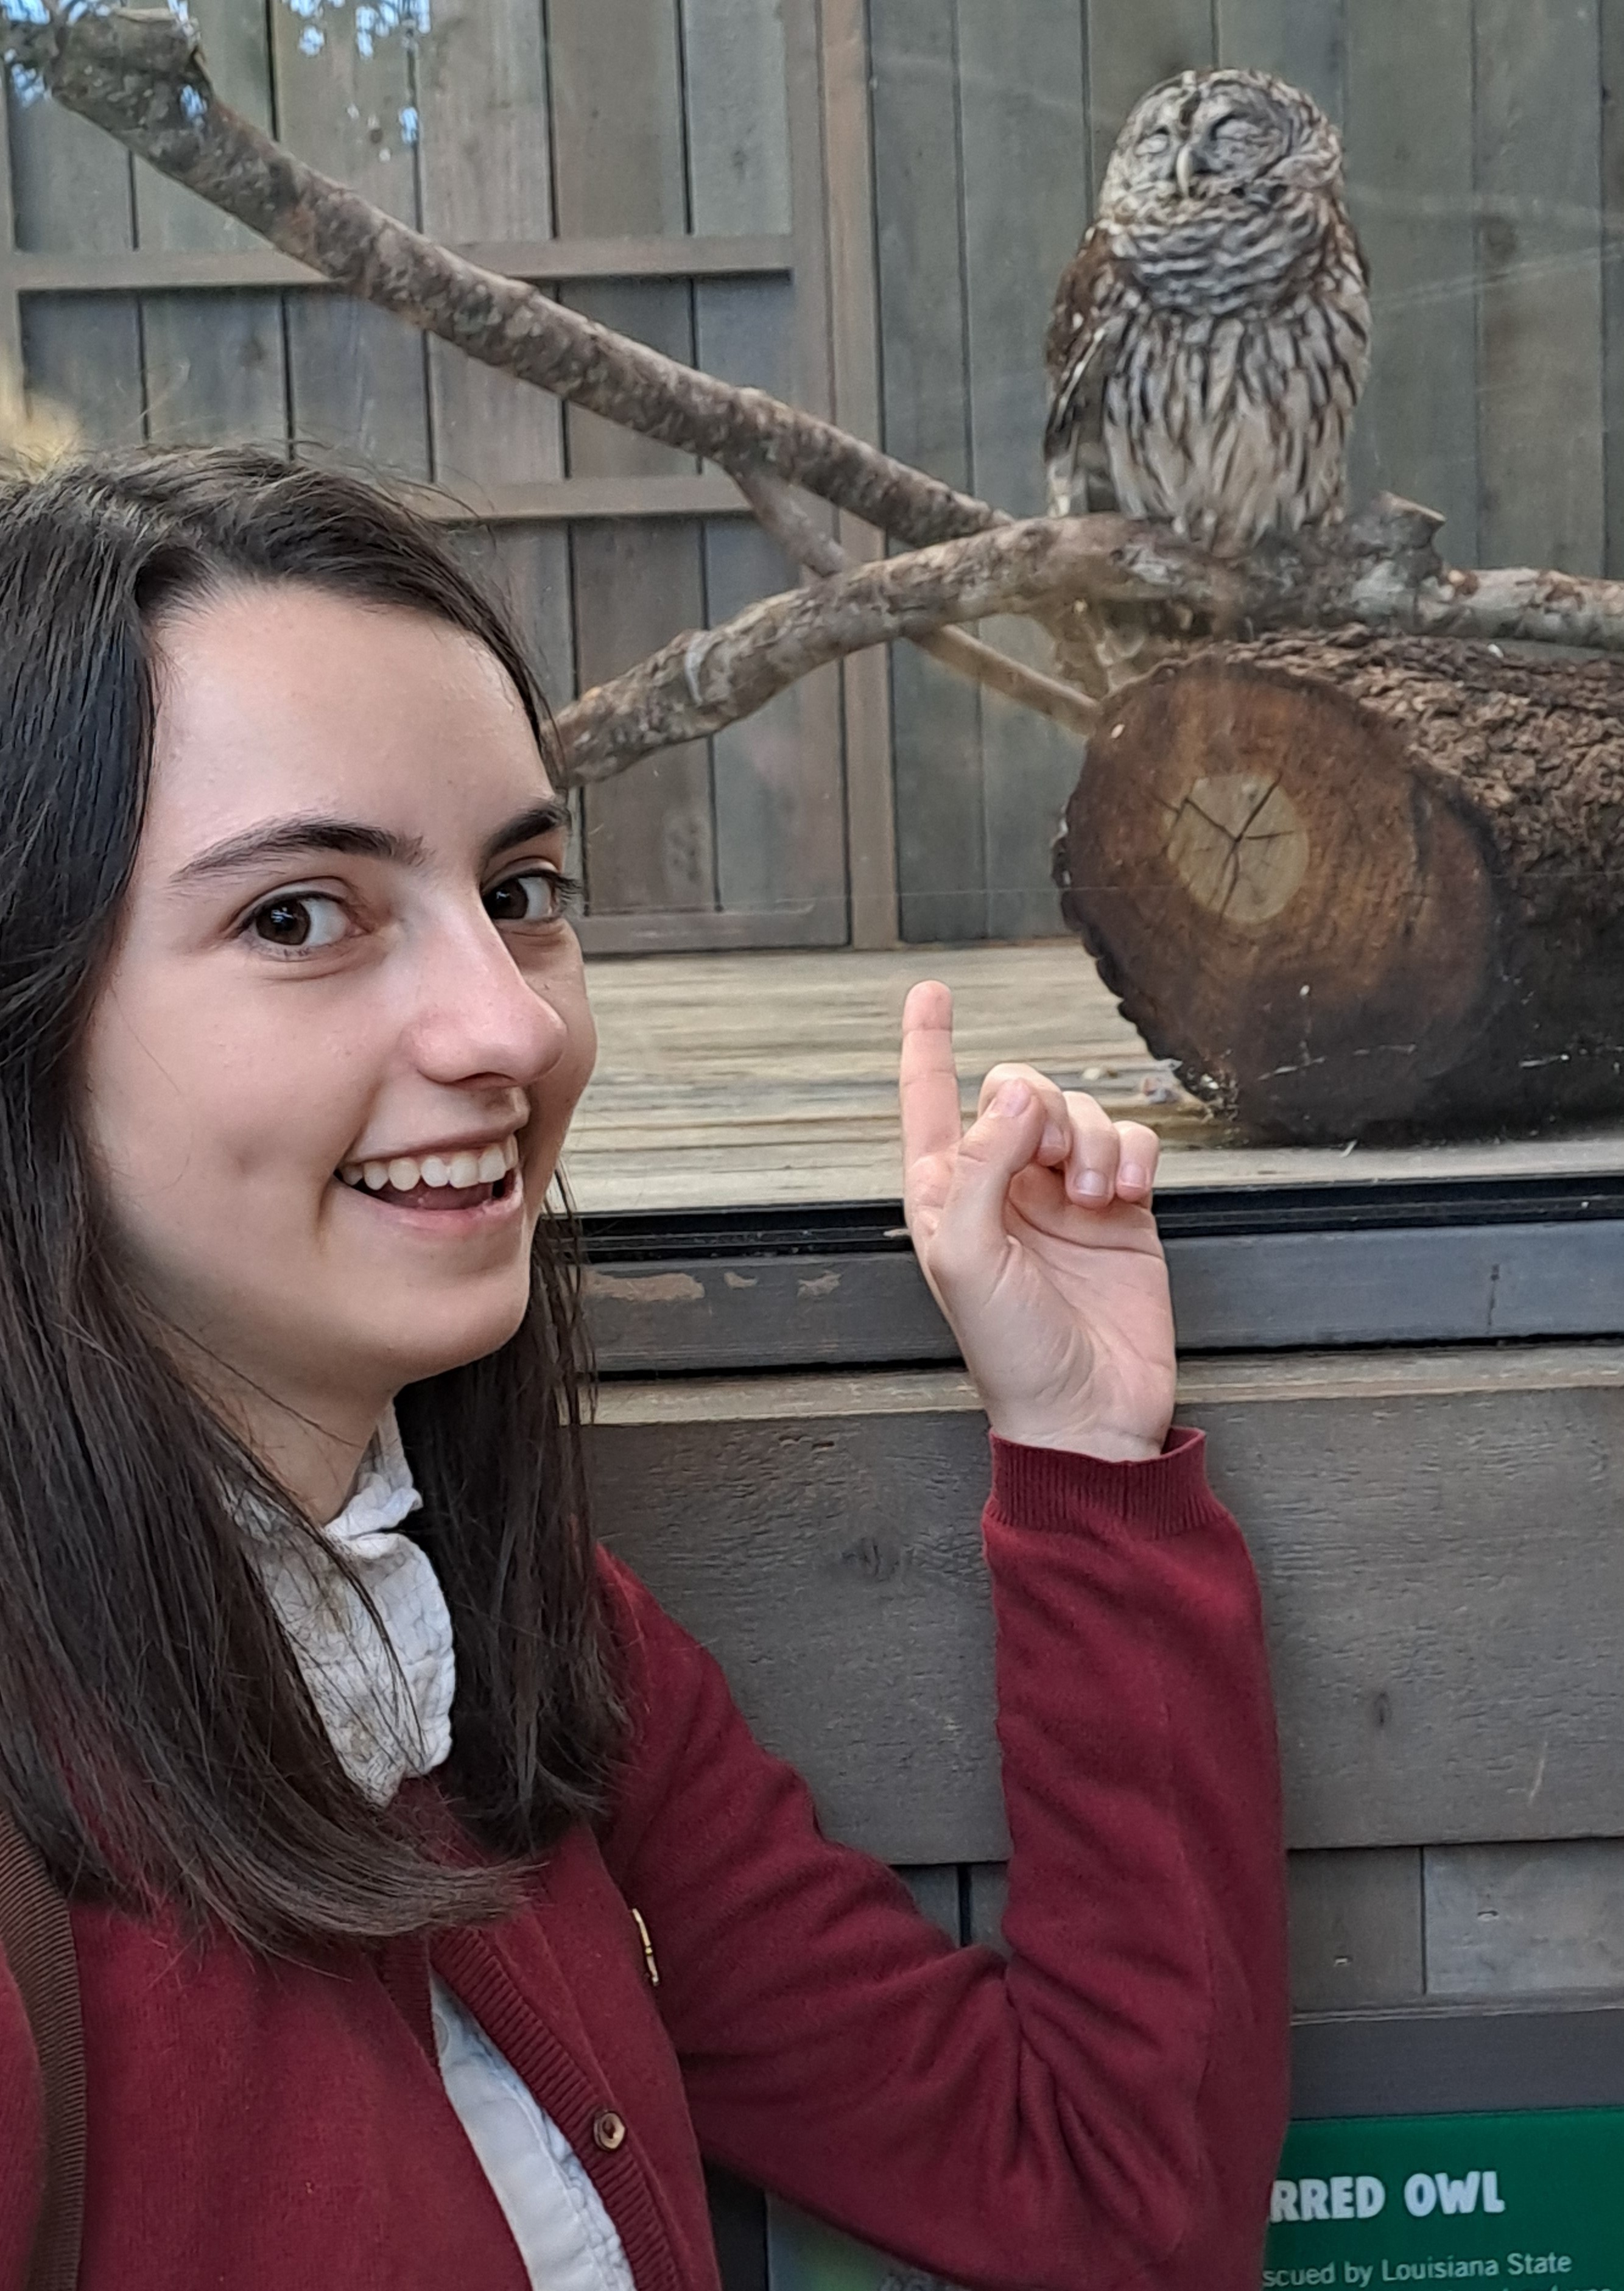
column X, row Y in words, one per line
column 1210, row 336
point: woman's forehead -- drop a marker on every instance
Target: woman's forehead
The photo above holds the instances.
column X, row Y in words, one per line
column 288, row 699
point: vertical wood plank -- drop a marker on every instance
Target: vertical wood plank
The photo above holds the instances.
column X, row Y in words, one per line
column 779, row 838
column 1612, row 279
column 358, row 374
column 1132, row 50
column 10, row 305
column 71, row 187
column 1021, row 89
column 846, row 163
column 989, row 1898
column 1408, row 146
column 935, row 724
column 649, row 843
column 484, row 167
column 619, row 166
column 738, row 128
column 934, row 1888
column 215, row 364
column 1356, row 1926
column 1302, row 41
column 1539, row 356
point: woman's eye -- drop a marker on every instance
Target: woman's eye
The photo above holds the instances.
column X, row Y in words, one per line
column 298, row 921
column 538, row 896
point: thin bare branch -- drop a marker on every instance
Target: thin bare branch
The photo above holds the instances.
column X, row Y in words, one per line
column 803, row 539
column 140, row 75
column 1380, row 572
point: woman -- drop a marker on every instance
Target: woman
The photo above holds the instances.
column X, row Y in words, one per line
column 434, row 1910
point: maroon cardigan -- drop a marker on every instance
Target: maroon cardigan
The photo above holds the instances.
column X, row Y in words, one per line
column 1105, row 2109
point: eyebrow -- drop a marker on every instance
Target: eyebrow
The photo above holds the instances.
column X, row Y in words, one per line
column 289, row 838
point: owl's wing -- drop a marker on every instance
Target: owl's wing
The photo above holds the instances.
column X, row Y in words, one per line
column 1084, row 329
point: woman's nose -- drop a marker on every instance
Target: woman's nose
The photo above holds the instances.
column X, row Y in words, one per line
column 479, row 1015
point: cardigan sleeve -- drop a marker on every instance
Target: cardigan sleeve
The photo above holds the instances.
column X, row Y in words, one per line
column 1105, row 2107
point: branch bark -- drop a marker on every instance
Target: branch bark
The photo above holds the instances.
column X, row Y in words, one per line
column 140, row 75
column 804, row 540
column 1382, row 571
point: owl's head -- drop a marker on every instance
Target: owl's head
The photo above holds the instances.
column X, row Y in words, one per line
column 1208, row 134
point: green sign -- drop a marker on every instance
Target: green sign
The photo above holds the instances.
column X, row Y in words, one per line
column 1535, row 2201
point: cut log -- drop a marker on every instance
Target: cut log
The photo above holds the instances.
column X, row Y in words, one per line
column 1359, row 886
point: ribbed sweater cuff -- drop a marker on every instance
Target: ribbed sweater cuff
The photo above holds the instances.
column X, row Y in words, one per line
column 1053, row 1487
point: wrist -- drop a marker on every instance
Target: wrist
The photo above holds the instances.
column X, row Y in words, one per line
column 1104, row 1442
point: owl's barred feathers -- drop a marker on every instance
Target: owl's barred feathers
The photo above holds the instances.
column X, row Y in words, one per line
column 1211, row 336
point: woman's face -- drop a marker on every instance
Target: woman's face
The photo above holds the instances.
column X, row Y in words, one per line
column 345, row 1027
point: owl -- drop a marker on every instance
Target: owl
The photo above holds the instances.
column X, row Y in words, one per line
column 1211, row 334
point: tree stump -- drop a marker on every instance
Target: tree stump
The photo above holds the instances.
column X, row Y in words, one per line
column 1359, row 886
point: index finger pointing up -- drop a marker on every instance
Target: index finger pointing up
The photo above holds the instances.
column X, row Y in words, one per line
column 928, row 1079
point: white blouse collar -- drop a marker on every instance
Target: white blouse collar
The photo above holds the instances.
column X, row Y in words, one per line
column 385, row 1699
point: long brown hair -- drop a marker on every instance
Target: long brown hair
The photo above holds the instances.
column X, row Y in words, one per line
column 156, row 1741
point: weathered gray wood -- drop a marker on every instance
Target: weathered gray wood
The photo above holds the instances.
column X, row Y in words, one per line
column 1409, row 144
column 1443, row 1675
column 675, row 255
column 1303, row 41
column 71, row 190
column 935, row 1889
column 834, row 145
column 619, row 165
column 1612, row 278
column 1540, row 371
column 936, row 718
column 1517, row 1919
column 1021, row 74
column 1132, row 49
column 1356, row 1933
column 216, row 365
column 484, row 172
column 358, row 381
column 649, row 837
column 1231, row 1293
column 989, row 1891
column 780, row 840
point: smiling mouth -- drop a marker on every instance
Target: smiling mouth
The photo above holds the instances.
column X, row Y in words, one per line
column 465, row 1180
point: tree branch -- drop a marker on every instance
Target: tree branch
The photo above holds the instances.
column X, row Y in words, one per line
column 804, row 540
column 140, row 75
column 1380, row 572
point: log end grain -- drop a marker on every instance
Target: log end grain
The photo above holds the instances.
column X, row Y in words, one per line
column 1362, row 887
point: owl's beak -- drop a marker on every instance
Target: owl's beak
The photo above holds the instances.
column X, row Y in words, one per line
column 1183, row 169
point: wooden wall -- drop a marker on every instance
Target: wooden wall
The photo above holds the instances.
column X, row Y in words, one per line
column 864, row 203
column 652, row 160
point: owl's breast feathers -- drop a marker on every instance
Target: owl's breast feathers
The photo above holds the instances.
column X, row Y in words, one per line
column 1204, row 361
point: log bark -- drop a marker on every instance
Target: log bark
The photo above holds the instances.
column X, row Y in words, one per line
column 1364, row 887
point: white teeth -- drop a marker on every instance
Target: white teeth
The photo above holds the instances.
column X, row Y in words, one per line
column 485, row 1167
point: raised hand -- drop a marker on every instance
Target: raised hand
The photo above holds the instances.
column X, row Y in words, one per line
column 1034, row 1231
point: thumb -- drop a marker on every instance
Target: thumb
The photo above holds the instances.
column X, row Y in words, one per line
column 992, row 1153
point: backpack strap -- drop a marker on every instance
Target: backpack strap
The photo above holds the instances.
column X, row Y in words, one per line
column 37, row 1941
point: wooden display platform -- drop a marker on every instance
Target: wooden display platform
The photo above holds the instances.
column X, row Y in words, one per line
column 733, row 1080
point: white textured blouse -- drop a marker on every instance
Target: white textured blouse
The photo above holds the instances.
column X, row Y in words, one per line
column 387, row 1724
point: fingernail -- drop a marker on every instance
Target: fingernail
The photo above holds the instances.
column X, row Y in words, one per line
column 1131, row 1178
column 1092, row 1186
column 1013, row 1098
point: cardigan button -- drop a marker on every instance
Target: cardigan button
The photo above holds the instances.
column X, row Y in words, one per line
column 608, row 2130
